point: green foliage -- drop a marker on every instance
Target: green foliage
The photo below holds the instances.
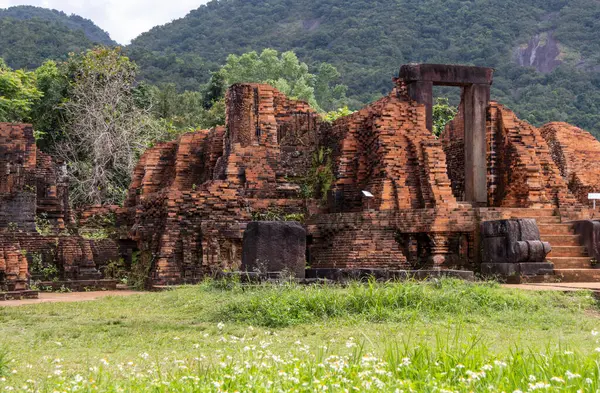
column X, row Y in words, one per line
column 282, row 306
column 40, row 269
column 184, row 112
column 187, row 70
column 43, row 225
column 47, row 114
column 320, row 178
column 104, row 128
column 443, row 113
column 277, row 215
column 18, row 94
column 503, row 338
column 30, row 35
column 72, row 22
column 135, row 275
column 367, row 42
column 4, row 368
column 288, row 75
column 332, row 116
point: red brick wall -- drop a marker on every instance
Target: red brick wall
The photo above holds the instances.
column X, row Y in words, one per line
column 577, row 155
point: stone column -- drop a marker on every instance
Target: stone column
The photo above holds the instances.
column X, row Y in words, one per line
column 477, row 98
column 439, row 249
column 422, row 92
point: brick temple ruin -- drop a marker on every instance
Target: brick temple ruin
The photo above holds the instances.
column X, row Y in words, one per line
column 34, row 193
column 396, row 197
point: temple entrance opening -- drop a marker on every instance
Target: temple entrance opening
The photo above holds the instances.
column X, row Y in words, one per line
column 475, row 84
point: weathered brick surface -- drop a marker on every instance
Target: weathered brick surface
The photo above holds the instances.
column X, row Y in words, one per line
column 386, row 149
column 577, row 155
column 191, row 199
column 521, row 171
column 33, row 185
column 13, row 266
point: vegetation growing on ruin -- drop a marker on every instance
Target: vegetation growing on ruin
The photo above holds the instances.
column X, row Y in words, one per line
column 320, row 178
column 444, row 335
column 277, row 215
column 443, row 113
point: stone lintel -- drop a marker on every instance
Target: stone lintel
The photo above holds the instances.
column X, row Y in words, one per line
column 447, row 75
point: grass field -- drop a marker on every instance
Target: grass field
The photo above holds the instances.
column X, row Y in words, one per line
column 411, row 337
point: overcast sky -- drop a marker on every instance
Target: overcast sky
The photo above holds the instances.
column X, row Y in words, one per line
column 123, row 19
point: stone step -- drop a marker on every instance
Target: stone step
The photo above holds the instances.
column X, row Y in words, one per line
column 578, row 275
column 562, row 240
column 570, row 262
column 568, row 251
column 547, row 219
column 532, row 213
column 556, row 229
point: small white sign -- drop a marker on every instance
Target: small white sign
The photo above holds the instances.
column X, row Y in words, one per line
column 367, row 194
column 594, row 196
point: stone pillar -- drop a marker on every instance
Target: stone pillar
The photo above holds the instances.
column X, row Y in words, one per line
column 477, row 98
column 422, row 92
column 439, row 249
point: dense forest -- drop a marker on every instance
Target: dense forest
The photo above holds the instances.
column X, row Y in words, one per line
column 546, row 52
column 368, row 40
column 30, row 35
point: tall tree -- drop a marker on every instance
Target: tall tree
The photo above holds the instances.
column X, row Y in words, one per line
column 18, row 94
column 289, row 75
column 47, row 113
column 105, row 130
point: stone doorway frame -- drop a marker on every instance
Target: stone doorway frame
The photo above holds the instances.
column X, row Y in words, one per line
column 475, row 83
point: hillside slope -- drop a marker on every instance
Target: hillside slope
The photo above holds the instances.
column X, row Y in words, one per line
column 546, row 52
column 29, row 35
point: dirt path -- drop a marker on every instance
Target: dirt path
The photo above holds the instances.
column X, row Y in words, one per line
column 67, row 297
column 565, row 287
column 89, row 296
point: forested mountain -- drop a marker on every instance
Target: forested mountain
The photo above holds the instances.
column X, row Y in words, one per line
column 29, row 35
column 546, row 52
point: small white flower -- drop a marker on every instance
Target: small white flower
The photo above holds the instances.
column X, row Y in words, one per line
column 571, row 375
column 220, row 325
column 595, row 333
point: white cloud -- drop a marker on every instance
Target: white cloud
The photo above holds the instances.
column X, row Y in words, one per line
column 123, row 19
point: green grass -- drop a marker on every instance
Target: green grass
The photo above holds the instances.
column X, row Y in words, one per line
column 423, row 337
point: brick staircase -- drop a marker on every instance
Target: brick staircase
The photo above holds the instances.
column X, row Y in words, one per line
column 571, row 260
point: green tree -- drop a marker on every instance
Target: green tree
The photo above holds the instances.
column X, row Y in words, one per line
column 47, row 114
column 443, row 113
column 287, row 74
column 18, row 94
column 104, row 131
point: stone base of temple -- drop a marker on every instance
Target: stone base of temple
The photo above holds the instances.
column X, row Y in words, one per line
column 517, row 269
column 18, row 295
column 387, row 275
